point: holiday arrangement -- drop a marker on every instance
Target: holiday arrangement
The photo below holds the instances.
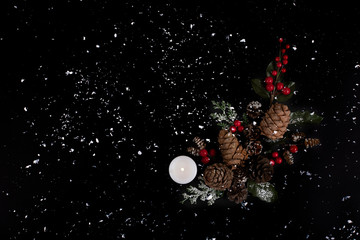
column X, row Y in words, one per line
column 250, row 146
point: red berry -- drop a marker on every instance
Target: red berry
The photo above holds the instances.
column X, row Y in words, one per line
column 285, row 57
column 287, row 46
column 272, row 162
column 232, row 129
column 278, row 160
column 294, row 149
column 283, row 50
column 240, row 128
column 212, row 152
column 281, row 40
column 285, row 61
column 279, row 86
column 205, row 160
column 237, row 123
column 283, row 70
column 203, row 153
column 278, row 64
column 286, row 91
column 277, row 59
column 274, row 72
column 269, row 87
column 269, row 80
column 275, row 154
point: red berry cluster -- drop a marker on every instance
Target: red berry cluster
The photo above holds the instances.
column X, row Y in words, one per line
column 280, row 63
column 236, row 127
column 205, row 155
column 278, row 160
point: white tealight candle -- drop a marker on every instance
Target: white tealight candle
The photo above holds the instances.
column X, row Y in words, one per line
column 182, row 169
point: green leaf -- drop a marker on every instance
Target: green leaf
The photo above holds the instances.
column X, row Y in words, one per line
column 284, row 98
column 270, row 68
column 259, row 88
column 264, row 191
column 305, row 117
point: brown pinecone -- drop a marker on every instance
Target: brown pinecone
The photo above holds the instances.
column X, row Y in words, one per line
column 261, row 170
column 253, row 109
column 237, row 192
column 274, row 123
column 311, row 142
column 254, row 148
column 232, row 152
column 193, row 151
column 297, row 136
column 251, row 132
column 288, row 156
column 218, row 176
column 200, row 143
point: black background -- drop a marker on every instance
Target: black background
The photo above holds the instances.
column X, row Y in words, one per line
column 96, row 97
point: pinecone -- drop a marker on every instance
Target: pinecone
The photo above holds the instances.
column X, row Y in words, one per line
column 288, row 156
column 193, row 151
column 311, row 142
column 261, row 170
column 237, row 192
column 251, row 132
column 218, row 176
column 297, row 136
column 232, row 152
column 254, row 148
column 253, row 109
column 200, row 143
column 274, row 123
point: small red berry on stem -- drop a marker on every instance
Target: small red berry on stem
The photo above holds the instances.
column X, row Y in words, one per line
column 272, row 162
column 237, row 123
column 287, row 46
column 275, row 154
column 269, row 80
column 285, row 61
column 281, row 40
column 274, row 72
column 232, row 129
column 283, row 70
column 277, row 59
column 269, row 87
column 279, row 86
column 283, row 50
column 240, row 128
column 285, row 57
column 212, row 152
column 278, row 64
column 294, row 149
column 278, row 160
column 205, row 160
column 286, row 91
column 203, row 153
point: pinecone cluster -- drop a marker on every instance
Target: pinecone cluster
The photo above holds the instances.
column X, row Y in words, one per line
column 242, row 150
column 251, row 147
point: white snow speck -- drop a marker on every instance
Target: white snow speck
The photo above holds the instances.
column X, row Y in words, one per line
column 139, row 153
column 36, row 161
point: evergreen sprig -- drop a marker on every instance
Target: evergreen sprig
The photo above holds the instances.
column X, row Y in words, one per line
column 202, row 192
column 225, row 114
